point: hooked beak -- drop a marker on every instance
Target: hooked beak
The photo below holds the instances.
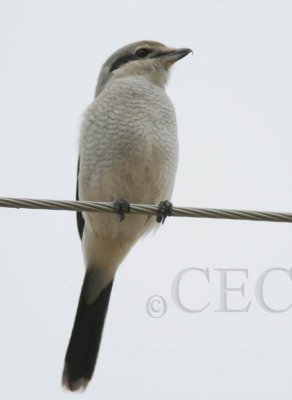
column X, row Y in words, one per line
column 172, row 56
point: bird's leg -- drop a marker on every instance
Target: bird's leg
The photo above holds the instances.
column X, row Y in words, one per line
column 122, row 207
column 164, row 210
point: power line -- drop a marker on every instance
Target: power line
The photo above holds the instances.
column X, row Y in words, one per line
column 108, row 207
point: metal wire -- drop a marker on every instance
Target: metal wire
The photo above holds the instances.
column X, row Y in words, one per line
column 97, row 206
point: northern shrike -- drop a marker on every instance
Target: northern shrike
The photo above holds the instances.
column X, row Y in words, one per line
column 128, row 153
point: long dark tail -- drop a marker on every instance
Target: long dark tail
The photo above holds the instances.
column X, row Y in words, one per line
column 85, row 338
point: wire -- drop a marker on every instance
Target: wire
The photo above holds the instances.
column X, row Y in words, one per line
column 96, row 206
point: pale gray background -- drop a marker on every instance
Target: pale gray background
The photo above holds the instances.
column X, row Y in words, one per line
column 233, row 101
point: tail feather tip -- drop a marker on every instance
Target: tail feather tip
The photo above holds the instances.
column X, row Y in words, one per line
column 76, row 385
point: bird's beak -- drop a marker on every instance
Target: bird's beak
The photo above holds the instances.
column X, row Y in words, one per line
column 172, row 56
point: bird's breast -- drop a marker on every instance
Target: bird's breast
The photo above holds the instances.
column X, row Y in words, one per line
column 128, row 144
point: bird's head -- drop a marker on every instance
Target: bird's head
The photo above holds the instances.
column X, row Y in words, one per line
column 147, row 58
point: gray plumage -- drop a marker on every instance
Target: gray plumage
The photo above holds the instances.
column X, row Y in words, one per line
column 128, row 150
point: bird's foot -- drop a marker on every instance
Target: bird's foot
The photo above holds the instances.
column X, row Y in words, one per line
column 164, row 210
column 122, row 207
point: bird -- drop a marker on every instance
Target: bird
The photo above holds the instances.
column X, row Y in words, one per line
column 128, row 153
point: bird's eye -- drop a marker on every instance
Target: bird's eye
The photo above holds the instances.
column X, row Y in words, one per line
column 142, row 53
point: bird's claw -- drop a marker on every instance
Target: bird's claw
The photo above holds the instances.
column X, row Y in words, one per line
column 164, row 210
column 122, row 207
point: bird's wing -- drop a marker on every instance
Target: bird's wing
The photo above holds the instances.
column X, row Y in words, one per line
column 80, row 219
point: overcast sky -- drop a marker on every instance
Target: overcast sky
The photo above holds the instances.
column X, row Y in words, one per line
column 233, row 101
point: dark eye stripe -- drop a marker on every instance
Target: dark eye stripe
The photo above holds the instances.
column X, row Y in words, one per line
column 122, row 60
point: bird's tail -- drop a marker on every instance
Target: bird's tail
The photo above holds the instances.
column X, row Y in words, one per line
column 85, row 337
